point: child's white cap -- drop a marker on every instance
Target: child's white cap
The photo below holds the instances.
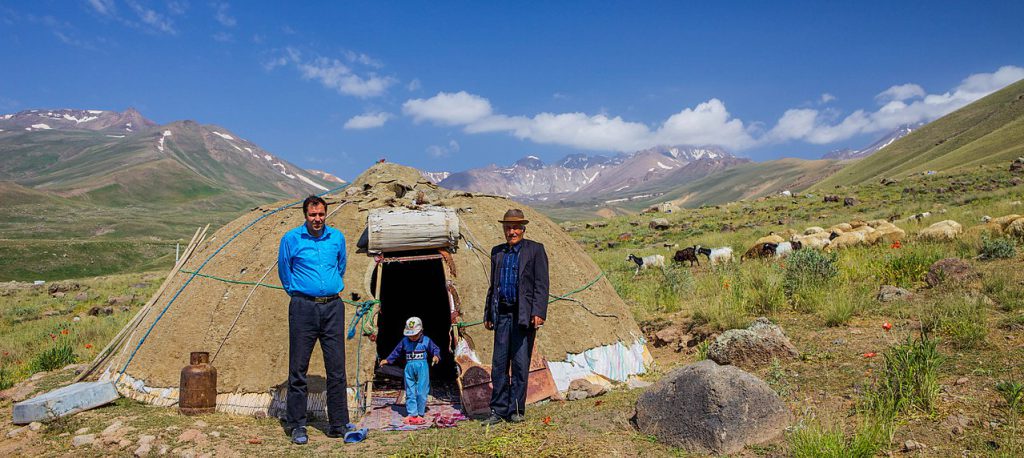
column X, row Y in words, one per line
column 413, row 326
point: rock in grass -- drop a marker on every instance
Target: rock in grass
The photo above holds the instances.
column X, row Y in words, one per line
column 84, row 439
column 757, row 345
column 889, row 293
column 706, row 408
column 950, row 270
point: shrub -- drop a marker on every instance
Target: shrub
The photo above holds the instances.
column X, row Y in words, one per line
column 763, row 291
column 60, row 354
column 815, row 440
column 808, row 268
column 702, row 349
column 907, row 269
column 677, row 281
column 1013, row 394
column 908, row 380
column 998, row 248
column 6, row 378
column 961, row 319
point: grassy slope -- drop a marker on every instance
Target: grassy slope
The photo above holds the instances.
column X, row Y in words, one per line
column 987, row 131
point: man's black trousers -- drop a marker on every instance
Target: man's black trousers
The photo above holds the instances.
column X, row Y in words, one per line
column 510, row 364
column 307, row 322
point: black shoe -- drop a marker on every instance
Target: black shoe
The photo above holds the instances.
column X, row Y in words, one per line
column 337, row 431
column 517, row 418
column 492, row 420
column 299, row 435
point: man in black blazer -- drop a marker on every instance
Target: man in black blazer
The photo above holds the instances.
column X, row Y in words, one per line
column 517, row 304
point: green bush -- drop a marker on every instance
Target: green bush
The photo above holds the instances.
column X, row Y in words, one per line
column 998, row 248
column 908, row 380
column 906, row 269
column 959, row 318
column 809, row 268
column 763, row 291
column 1013, row 394
column 60, row 354
column 815, row 440
column 6, row 378
column 677, row 281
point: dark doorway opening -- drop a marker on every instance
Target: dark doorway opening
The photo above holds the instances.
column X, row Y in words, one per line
column 414, row 288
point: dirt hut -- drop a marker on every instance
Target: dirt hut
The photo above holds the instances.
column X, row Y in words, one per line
column 234, row 308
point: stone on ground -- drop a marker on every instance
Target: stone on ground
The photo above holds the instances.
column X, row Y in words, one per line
column 706, row 408
column 757, row 345
column 84, row 439
column 592, row 389
column 35, row 426
column 889, row 293
column 192, row 435
column 950, row 270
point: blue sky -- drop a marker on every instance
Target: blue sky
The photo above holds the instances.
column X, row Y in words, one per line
column 454, row 85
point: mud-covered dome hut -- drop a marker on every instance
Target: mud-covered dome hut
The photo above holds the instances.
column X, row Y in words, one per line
column 225, row 299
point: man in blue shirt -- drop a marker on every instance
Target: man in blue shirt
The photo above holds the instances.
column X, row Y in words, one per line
column 311, row 265
column 516, row 307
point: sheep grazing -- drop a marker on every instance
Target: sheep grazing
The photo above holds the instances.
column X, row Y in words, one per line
column 760, row 251
column 813, row 230
column 785, row 248
column 716, row 256
column 687, row 254
column 654, row 260
column 772, row 238
column 816, row 241
column 845, row 240
column 942, row 230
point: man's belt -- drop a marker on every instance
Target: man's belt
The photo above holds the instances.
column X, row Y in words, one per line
column 320, row 299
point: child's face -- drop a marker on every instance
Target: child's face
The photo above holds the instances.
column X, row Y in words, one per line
column 416, row 337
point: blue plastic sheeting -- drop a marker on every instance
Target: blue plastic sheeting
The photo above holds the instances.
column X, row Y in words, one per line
column 615, row 362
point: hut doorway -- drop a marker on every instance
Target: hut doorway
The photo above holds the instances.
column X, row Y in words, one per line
column 413, row 283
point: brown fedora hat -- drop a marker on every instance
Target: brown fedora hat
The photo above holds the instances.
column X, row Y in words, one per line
column 514, row 215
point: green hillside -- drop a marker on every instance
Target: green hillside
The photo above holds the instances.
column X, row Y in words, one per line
column 987, row 131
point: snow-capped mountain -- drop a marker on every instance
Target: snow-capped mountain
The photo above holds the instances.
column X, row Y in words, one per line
column 886, row 140
column 583, row 175
column 75, row 152
column 435, row 177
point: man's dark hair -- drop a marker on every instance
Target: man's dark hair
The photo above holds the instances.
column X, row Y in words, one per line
column 312, row 200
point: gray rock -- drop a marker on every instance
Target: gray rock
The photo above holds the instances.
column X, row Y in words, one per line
column 82, row 296
column 84, row 439
column 757, row 345
column 35, row 426
column 889, row 293
column 143, row 450
column 635, row 383
column 576, row 395
column 659, row 224
column 912, row 445
column 16, row 431
column 706, row 408
column 592, row 389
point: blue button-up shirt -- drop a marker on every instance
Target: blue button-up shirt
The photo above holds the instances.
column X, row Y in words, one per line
column 508, row 281
column 309, row 265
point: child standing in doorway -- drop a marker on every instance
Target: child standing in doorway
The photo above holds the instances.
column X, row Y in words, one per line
column 416, row 348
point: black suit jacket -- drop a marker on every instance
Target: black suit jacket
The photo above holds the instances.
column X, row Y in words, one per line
column 533, row 282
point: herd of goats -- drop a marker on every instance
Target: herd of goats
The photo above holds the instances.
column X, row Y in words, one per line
column 775, row 245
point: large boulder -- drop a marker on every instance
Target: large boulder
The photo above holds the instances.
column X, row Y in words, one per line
column 659, row 224
column 757, row 345
column 706, row 408
column 950, row 270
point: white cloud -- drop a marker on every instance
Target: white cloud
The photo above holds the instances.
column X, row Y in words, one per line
column 709, row 122
column 900, row 93
column 363, row 59
column 437, row 152
column 104, row 7
column 222, row 16
column 224, row 37
column 368, row 120
column 414, row 85
column 332, row 73
column 903, row 104
column 448, row 109
column 152, row 18
column 826, row 98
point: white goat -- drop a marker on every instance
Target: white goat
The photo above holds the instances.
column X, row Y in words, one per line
column 716, row 256
column 654, row 260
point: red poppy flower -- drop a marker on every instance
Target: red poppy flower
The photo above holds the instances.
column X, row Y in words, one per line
column 870, row 354
column 547, row 420
column 887, row 325
column 64, row 331
column 88, row 346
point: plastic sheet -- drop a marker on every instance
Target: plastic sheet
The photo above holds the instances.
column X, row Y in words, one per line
column 615, row 362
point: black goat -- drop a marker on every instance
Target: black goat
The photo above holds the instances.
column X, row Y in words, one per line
column 687, row 254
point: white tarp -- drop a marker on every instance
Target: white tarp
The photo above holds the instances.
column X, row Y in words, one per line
column 615, row 362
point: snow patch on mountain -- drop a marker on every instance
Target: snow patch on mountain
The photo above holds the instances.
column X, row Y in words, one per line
column 41, row 126
column 160, row 145
column 224, row 136
column 311, row 182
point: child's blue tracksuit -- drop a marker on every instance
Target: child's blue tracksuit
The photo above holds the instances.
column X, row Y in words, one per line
column 417, row 371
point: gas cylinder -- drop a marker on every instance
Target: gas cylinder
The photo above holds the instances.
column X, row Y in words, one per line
column 198, row 389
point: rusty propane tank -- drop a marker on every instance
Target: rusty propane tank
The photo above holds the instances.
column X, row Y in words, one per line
column 198, row 389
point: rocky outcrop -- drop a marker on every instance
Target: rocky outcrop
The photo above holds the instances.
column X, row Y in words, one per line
column 950, row 270
column 706, row 408
column 757, row 345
